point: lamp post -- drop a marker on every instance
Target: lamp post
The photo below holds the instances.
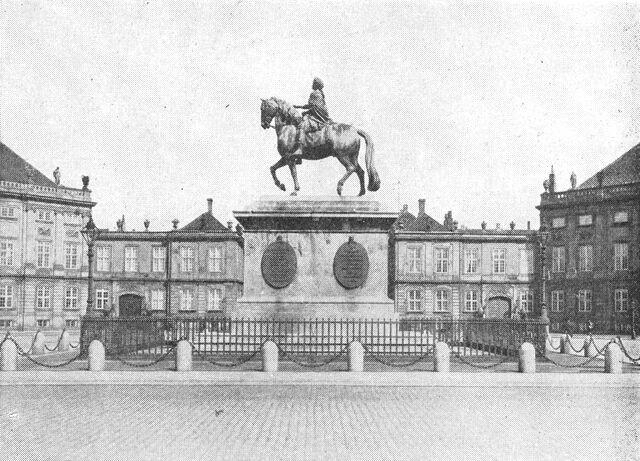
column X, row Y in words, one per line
column 90, row 234
column 543, row 235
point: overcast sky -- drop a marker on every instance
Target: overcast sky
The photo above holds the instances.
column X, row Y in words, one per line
column 469, row 105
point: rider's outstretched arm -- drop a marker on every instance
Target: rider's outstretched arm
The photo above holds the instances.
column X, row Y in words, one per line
column 305, row 107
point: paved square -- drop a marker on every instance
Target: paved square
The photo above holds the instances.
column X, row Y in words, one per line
column 317, row 422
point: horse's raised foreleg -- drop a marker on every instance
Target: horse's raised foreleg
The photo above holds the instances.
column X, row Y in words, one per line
column 294, row 175
column 346, row 162
column 279, row 164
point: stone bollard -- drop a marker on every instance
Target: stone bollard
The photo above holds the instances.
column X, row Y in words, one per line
column 527, row 356
column 565, row 348
column 184, row 356
column 590, row 349
column 269, row 357
column 64, row 342
column 548, row 346
column 442, row 356
column 38, row 344
column 96, row 356
column 613, row 359
column 8, row 356
column 356, row 356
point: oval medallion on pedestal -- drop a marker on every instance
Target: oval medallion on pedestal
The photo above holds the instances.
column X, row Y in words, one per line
column 351, row 264
column 279, row 264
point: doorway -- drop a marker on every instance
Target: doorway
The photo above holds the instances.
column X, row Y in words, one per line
column 130, row 306
column 499, row 307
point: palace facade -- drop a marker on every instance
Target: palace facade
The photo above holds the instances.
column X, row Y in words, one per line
column 593, row 251
column 43, row 267
column 195, row 270
column 443, row 271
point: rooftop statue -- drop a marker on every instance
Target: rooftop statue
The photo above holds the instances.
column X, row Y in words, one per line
column 314, row 136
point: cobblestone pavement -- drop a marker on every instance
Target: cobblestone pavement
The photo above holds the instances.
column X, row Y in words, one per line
column 317, row 422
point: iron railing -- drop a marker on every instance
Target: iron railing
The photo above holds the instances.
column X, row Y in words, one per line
column 240, row 336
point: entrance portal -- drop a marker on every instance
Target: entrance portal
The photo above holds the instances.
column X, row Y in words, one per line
column 130, row 306
column 499, row 307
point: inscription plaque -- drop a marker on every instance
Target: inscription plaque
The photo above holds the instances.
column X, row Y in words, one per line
column 351, row 264
column 279, row 264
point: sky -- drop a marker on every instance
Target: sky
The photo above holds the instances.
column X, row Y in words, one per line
column 469, row 104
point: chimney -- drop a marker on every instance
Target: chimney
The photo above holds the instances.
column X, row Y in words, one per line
column 497, row 226
column 230, row 225
column 405, row 208
column 483, row 225
column 421, row 206
column 512, row 225
column 528, row 225
column 600, row 178
column 146, row 225
column 210, row 205
column 175, row 223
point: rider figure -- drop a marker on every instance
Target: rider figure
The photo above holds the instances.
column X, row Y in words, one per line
column 316, row 114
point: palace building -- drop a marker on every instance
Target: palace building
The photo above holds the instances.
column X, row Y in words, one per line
column 43, row 268
column 443, row 271
column 593, row 249
column 195, row 270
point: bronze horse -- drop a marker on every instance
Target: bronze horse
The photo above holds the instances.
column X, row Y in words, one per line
column 337, row 140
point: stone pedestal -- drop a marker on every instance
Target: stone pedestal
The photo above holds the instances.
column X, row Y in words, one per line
column 315, row 257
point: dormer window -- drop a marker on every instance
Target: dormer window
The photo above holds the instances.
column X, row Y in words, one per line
column 7, row 212
column 585, row 220
column 44, row 215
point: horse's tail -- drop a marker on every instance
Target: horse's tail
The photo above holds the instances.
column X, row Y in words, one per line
column 374, row 179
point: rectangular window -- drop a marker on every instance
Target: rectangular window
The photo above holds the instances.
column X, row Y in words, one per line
column 621, row 300
column 186, row 255
column 157, row 300
column 71, row 323
column 215, row 259
column 7, row 212
column 131, row 259
column 585, row 258
column 43, row 323
column 621, row 256
column 158, row 259
column 103, row 261
column 6, row 253
column 442, row 301
column 44, row 215
column 620, row 217
column 414, row 259
column 414, row 301
column 6, row 323
column 499, row 261
column 214, row 301
column 526, row 300
column 102, row 299
column 584, row 300
column 471, row 301
column 585, row 220
column 557, row 300
column 186, row 300
column 471, row 260
column 526, row 261
column 558, row 261
column 43, row 297
column 557, row 223
column 442, row 260
column 43, row 254
column 70, row 255
column 6, row 297
column 71, row 298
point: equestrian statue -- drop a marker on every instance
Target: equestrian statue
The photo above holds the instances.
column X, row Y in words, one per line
column 312, row 135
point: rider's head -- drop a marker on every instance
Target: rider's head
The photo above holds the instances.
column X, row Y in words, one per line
column 317, row 84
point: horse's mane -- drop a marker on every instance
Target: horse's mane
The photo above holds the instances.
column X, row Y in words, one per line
column 290, row 114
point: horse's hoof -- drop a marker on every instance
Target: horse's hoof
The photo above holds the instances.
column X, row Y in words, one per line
column 282, row 187
column 361, row 193
column 294, row 193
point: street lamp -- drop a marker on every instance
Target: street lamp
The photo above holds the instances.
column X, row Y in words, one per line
column 543, row 235
column 90, row 234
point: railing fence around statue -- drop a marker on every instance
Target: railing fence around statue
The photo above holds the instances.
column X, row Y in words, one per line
column 230, row 336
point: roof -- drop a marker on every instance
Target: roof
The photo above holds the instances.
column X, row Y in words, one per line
column 205, row 223
column 404, row 219
column 13, row 168
column 624, row 170
column 424, row 223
